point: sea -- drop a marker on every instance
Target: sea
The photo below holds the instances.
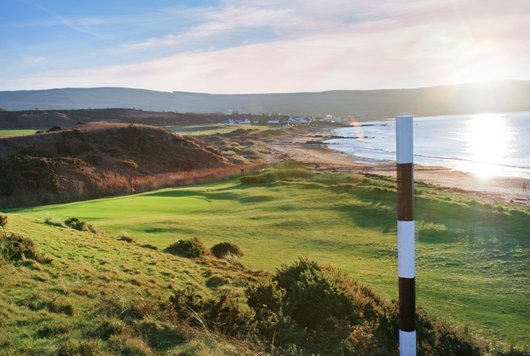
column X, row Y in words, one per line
column 488, row 145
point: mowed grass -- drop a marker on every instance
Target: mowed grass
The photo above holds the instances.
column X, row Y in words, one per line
column 13, row 133
column 202, row 130
column 472, row 255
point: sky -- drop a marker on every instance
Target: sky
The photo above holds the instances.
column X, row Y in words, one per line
column 247, row 46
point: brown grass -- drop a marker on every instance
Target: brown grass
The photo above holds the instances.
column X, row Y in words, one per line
column 105, row 159
column 195, row 176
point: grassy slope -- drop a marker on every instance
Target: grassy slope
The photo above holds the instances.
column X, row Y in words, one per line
column 472, row 261
column 13, row 133
column 203, row 130
column 45, row 306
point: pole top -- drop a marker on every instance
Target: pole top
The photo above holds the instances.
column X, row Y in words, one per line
column 404, row 117
column 404, row 139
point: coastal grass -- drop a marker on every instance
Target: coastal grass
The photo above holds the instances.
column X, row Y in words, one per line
column 472, row 254
column 16, row 132
column 212, row 129
column 100, row 295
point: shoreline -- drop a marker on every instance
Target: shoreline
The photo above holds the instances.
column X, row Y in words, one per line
column 310, row 149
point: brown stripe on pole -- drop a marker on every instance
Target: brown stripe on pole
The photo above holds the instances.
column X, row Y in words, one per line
column 405, row 232
column 407, row 303
column 405, row 191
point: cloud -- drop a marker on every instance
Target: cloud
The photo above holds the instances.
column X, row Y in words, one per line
column 214, row 23
column 318, row 47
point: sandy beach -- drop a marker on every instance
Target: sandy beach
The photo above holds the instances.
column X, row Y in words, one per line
column 308, row 148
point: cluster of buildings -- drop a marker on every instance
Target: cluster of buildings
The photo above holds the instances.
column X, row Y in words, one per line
column 290, row 121
column 244, row 121
column 284, row 121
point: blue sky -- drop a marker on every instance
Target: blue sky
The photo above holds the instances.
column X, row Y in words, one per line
column 246, row 46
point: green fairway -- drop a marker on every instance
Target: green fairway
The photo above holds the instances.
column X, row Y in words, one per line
column 201, row 130
column 14, row 132
column 472, row 256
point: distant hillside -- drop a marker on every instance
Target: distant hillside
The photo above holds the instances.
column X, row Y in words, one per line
column 69, row 118
column 499, row 96
column 95, row 160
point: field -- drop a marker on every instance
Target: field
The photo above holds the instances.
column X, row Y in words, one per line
column 15, row 132
column 472, row 255
column 202, row 130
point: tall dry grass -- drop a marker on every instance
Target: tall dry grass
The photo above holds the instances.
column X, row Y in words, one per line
column 118, row 183
column 98, row 184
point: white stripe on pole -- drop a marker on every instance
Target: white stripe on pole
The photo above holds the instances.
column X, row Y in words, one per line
column 405, row 230
column 404, row 139
column 407, row 343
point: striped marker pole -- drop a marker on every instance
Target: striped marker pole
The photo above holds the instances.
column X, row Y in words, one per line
column 405, row 236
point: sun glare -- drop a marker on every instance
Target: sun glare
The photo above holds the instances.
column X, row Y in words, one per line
column 487, row 139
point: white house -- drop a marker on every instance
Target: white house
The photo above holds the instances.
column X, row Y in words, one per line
column 301, row 120
column 328, row 118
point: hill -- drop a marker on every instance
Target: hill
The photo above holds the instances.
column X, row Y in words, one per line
column 98, row 159
column 115, row 292
column 68, row 118
column 497, row 96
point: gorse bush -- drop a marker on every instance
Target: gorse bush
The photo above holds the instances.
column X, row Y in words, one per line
column 15, row 247
column 53, row 221
column 188, row 248
column 324, row 310
column 3, row 222
column 224, row 314
column 79, row 225
column 315, row 310
column 317, row 305
column 224, row 249
column 125, row 236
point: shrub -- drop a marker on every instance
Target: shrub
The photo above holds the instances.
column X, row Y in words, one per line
column 53, row 221
column 225, row 314
column 14, row 247
column 324, row 311
column 125, row 236
column 3, row 222
column 186, row 302
column 77, row 224
column 314, row 298
column 188, row 248
column 54, row 128
column 307, row 308
column 224, row 249
column 266, row 296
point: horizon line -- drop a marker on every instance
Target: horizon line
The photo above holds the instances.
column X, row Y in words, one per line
column 478, row 82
